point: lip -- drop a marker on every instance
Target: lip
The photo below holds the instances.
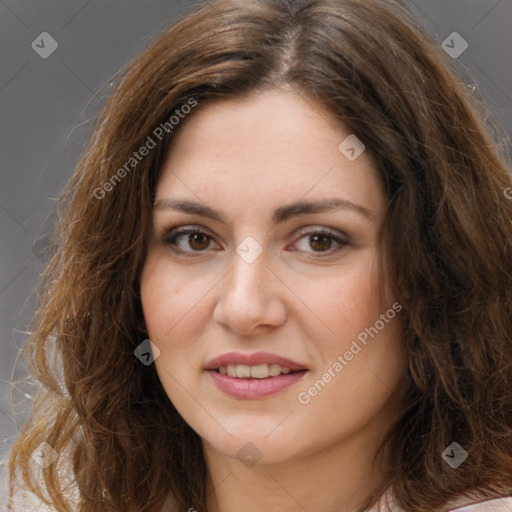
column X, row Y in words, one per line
column 253, row 360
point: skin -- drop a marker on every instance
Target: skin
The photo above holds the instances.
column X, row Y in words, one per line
column 244, row 158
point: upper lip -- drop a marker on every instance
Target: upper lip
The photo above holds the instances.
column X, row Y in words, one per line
column 252, row 360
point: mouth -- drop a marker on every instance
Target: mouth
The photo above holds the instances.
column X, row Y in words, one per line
column 253, row 376
column 258, row 365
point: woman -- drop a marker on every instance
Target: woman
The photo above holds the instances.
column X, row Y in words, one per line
column 283, row 268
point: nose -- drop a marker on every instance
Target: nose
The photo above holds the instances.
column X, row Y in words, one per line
column 250, row 298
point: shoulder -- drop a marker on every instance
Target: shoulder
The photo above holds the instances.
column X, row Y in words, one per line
column 388, row 504
column 26, row 501
column 497, row 505
column 22, row 499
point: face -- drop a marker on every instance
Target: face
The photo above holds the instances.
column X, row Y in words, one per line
column 263, row 263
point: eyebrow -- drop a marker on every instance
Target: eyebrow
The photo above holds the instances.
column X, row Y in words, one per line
column 280, row 215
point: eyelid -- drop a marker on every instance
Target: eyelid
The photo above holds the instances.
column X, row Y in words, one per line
column 168, row 232
column 335, row 233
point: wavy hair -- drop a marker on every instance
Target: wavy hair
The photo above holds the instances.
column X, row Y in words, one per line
column 446, row 238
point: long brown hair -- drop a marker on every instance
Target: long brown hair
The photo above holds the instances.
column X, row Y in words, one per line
column 447, row 235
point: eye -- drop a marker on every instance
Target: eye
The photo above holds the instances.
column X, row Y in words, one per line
column 194, row 240
column 188, row 240
column 321, row 241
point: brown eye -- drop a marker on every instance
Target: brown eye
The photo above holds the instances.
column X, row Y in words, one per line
column 188, row 240
column 198, row 241
column 320, row 242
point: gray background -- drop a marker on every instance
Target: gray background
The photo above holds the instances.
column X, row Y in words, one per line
column 46, row 106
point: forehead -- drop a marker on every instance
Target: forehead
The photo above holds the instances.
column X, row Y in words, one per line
column 275, row 145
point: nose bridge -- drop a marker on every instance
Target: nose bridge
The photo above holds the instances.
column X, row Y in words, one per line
column 249, row 261
column 247, row 298
column 248, row 278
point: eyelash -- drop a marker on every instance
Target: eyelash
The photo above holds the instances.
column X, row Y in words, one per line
column 170, row 239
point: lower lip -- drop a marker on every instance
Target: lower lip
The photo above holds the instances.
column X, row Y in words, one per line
column 254, row 388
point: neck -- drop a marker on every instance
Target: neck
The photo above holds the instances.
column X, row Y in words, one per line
column 338, row 478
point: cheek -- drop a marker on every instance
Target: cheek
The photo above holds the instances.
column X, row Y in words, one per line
column 171, row 305
column 170, row 298
column 176, row 308
column 373, row 359
column 157, row 296
column 345, row 302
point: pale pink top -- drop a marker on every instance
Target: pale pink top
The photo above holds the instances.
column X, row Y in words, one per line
column 387, row 504
column 497, row 505
column 27, row 501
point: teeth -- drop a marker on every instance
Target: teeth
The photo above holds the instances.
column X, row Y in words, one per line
column 243, row 371
column 275, row 369
column 260, row 371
